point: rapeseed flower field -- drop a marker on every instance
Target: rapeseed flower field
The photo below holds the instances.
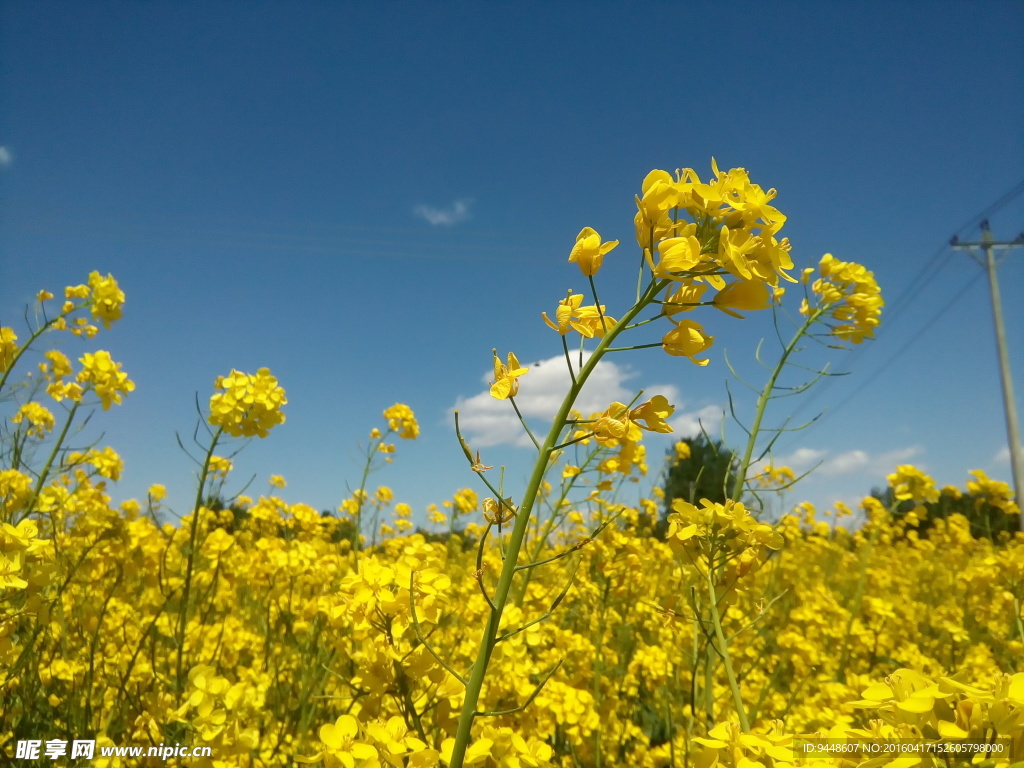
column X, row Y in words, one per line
column 539, row 626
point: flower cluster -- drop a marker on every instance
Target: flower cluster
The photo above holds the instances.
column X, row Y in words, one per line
column 107, row 298
column 589, row 322
column 402, row 420
column 247, row 405
column 849, row 294
column 730, row 522
column 104, row 377
column 911, row 484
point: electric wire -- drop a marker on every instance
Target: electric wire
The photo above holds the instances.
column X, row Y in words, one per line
column 928, row 325
column 914, row 290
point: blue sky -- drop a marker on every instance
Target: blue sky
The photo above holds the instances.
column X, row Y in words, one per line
column 366, row 198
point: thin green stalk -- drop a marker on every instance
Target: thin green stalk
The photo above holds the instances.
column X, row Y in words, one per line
column 723, row 647
column 508, row 571
column 1016, row 616
column 542, row 535
column 360, row 496
column 523, row 422
column 24, row 347
column 762, row 404
column 45, row 472
column 858, row 596
column 190, row 568
column 599, row 668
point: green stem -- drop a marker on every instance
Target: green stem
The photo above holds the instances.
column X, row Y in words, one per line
column 45, row 472
column 523, row 422
column 190, row 567
column 360, row 497
column 723, row 647
column 515, row 544
column 1016, row 616
column 556, row 515
column 762, row 404
column 858, row 596
column 24, row 347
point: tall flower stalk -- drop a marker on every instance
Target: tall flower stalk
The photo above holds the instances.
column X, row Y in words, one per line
column 693, row 236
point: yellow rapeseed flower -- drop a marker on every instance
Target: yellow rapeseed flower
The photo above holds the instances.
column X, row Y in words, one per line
column 40, row 419
column 588, row 252
column 105, row 377
column 687, row 339
column 8, row 347
column 247, row 405
column 506, row 382
column 402, row 420
column 745, row 295
column 107, row 298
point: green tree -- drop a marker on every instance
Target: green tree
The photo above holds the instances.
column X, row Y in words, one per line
column 986, row 520
column 709, row 473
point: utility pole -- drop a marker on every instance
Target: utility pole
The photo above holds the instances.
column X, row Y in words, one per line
column 988, row 245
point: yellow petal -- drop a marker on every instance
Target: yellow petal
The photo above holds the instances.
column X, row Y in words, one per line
column 917, row 705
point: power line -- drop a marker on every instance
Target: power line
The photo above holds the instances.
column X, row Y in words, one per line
column 929, row 324
column 914, row 290
column 988, row 245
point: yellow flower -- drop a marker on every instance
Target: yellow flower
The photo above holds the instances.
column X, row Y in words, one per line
column 499, row 512
column 106, row 462
column 592, row 322
column 205, row 684
column 39, row 418
column 220, row 466
column 567, row 308
column 277, row 481
column 678, row 256
column 589, row 251
column 402, row 420
column 465, row 501
column 342, row 748
column 682, row 450
column 8, row 347
column 687, row 339
column 57, row 366
column 908, row 482
column 683, row 298
column 10, row 568
column 652, row 414
column 476, row 754
column 106, row 377
column 613, row 424
column 587, row 321
column 993, row 492
column 107, row 298
column 15, row 490
column 746, row 295
column 506, row 382
column 850, row 294
column 247, row 405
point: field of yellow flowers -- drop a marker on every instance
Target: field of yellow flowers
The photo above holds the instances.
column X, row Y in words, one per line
column 545, row 626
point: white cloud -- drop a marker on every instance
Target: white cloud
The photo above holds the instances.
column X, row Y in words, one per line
column 854, row 462
column 846, row 463
column 885, row 463
column 803, row 458
column 689, row 424
column 487, row 422
column 5, row 157
column 1003, row 455
column 458, row 211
